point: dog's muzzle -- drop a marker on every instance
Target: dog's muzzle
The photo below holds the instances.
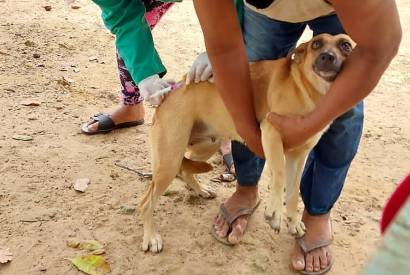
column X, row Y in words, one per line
column 327, row 65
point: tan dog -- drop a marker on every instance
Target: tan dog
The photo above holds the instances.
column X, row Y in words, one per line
column 193, row 119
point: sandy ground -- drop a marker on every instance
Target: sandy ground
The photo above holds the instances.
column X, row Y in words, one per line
column 39, row 210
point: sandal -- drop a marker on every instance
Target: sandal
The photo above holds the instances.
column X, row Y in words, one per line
column 106, row 124
column 306, row 249
column 229, row 163
column 230, row 220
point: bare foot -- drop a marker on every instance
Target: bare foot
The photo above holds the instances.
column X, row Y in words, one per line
column 318, row 229
column 124, row 113
column 244, row 197
column 226, row 149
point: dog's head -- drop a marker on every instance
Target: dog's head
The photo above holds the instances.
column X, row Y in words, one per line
column 322, row 58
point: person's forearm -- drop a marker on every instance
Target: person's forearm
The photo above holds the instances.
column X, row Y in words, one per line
column 228, row 68
column 360, row 75
column 227, row 55
column 375, row 26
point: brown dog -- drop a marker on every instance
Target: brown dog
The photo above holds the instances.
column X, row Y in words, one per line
column 190, row 123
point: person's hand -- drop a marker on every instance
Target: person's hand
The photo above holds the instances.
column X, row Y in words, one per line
column 201, row 70
column 153, row 89
column 294, row 129
column 252, row 139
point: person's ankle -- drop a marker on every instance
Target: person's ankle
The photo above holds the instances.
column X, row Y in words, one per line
column 129, row 112
column 250, row 192
column 315, row 218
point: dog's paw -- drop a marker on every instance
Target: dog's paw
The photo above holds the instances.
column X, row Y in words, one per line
column 274, row 219
column 152, row 243
column 296, row 227
column 207, row 192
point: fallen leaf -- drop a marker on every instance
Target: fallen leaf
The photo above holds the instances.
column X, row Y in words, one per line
column 93, row 246
column 91, row 264
column 36, row 55
column 98, row 252
column 72, row 243
column 90, row 245
column 5, row 255
column 81, row 184
column 22, row 137
column 75, row 7
column 30, row 102
column 47, row 8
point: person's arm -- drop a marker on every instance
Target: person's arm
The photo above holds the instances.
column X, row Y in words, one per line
column 226, row 51
column 126, row 20
column 374, row 25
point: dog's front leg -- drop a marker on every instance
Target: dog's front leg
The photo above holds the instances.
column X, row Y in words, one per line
column 295, row 162
column 274, row 154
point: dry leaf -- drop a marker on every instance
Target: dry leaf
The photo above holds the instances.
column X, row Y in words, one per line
column 98, row 252
column 72, row 243
column 5, row 255
column 22, row 137
column 47, row 8
column 90, row 245
column 93, row 246
column 81, row 184
column 30, row 102
column 91, row 264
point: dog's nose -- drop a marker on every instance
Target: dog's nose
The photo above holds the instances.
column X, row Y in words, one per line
column 327, row 61
column 327, row 57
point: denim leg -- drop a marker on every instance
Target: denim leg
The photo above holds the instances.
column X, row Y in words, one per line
column 328, row 163
column 264, row 39
column 248, row 167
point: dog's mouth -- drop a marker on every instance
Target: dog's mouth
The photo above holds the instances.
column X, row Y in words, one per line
column 329, row 76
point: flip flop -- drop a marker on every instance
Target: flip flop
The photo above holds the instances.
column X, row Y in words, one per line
column 230, row 220
column 228, row 161
column 106, row 124
column 306, row 249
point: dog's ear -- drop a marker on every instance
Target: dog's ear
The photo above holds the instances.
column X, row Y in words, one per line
column 297, row 54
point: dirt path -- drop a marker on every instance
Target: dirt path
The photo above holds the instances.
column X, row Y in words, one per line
column 39, row 211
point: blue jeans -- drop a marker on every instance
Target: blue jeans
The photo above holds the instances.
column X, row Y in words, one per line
column 328, row 163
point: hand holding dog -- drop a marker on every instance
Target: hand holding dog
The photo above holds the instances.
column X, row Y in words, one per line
column 294, row 129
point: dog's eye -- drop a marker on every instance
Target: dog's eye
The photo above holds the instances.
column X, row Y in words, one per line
column 346, row 47
column 317, row 44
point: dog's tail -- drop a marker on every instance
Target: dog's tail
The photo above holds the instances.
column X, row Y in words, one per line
column 195, row 167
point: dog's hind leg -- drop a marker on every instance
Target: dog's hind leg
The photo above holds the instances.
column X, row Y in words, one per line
column 295, row 161
column 198, row 154
column 274, row 154
column 204, row 191
column 168, row 147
